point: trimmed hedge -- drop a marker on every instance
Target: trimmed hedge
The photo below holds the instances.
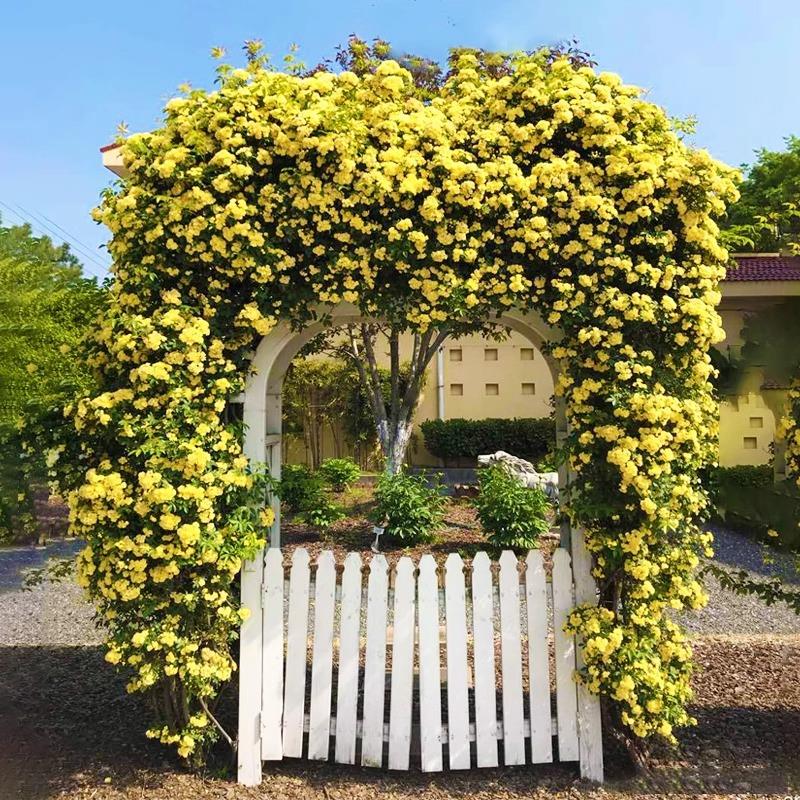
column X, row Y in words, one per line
column 451, row 439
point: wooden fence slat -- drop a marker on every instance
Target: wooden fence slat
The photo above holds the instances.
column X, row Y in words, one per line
column 566, row 693
column 272, row 662
column 483, row 649
column 322, row 658
column 402, row 665
column 538, row 661
column 375, row 663
column 296, row 655
column 349, row 638
column 430, row 688
column 590, row 737
column 511, row 661
column 457, row 679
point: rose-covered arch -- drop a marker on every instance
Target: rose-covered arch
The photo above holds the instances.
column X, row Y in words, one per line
column 538, row 186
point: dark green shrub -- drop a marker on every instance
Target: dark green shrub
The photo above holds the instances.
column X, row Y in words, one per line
column 303, row 492
column 410, row 509
column 339, row 473
column 530, row 438
column 298, row 486
column 745, row 475
column 510, row 514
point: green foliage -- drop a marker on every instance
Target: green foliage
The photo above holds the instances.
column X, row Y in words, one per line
column 297, row 487
column 772, row 341
column 339, row 473
column 531, row 438
column 410, row 509
column 766, row 216
column 511, row 515
column 745, row 475
column 303, row 493
column 45, row 308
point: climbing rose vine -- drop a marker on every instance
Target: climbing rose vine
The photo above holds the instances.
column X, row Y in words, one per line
column 541, row 185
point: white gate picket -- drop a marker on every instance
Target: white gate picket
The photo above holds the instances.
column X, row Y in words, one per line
column 416, row 615
column 483, row 644
column 511, row 660
column 272, row 662
column 430, row 687
column 375, row 663
column 590, row 736
column 457, row 678
column 566, row 694
column 322, row 655
column 538, row 660
column 296, row 655
column 402, row 666
column 349, row 638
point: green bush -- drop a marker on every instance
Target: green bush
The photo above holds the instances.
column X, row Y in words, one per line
column 303, row 492
column 510, row 514
column 531, row 438
column 298, row 486
column 339, row 473
column 411, row 510
column 746, row 475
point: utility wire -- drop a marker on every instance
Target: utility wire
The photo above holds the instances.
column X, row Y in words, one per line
column 83, row 249
column 69, row 235
column 39, row 228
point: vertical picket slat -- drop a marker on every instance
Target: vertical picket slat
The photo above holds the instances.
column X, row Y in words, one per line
column 538, row 661
column 402, row 666
column 483, row 650
column 511, row 660
column 272, row 662
column 375, row 664
column 566, row 694
column 349, row 637
column 457, row 679
column 430, row 688
column 322, row 654
column 296, row 646
column 590, row 737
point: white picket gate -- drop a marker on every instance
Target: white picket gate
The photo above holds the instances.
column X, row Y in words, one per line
column 453, row 663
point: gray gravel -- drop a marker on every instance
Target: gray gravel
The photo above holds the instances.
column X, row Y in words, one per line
column 57, row 614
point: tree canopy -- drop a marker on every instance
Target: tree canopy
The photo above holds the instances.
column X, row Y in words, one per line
column 766, row 217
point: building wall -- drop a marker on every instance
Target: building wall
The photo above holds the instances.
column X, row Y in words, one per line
column 510, row 378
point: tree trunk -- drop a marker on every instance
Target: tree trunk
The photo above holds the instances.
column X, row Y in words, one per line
column 393, row 419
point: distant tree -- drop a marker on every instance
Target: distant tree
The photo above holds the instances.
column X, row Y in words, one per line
column 45, row 307
column 767, row 215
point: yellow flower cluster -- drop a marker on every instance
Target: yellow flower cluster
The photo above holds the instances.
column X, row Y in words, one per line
column 541, row 186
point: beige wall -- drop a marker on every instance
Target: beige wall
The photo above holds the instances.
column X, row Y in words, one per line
column 483, row 378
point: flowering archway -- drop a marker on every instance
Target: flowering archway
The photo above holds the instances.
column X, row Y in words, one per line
column 539, row 185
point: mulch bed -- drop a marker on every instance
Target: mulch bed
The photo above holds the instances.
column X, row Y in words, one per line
column 460, row 533
column 67, row 729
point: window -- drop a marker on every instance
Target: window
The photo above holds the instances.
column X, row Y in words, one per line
column 526, row 354
column 756, row 422
column 492, row 388
column 750, row 443
column 457, row 389
column 455, row 354
column 490, row 354
column 528, row 388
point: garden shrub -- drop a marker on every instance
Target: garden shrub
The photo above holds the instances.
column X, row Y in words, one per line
column 298, row 486
column 511, row 515
column 410, row 509
column 451, row 439
column 339, row 473
column 303, row 492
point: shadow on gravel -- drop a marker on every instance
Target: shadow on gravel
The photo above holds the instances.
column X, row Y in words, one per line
column 69, row 730
column 64, row 718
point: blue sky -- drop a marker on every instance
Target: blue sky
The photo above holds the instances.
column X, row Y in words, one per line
column 73, row 71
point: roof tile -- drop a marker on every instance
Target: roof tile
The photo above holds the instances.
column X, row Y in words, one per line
column 764, row 268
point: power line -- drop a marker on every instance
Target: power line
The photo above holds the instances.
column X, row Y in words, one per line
column 40, row 229
column 80, row 247
column 67, row 233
